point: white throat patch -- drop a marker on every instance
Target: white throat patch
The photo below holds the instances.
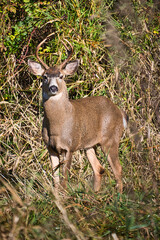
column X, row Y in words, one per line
column 56, row 97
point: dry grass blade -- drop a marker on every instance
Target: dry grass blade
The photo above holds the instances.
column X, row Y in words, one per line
column 58, row 201
column 14, row 193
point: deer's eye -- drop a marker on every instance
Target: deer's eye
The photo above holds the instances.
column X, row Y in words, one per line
column 45, row 79
column 61, row 76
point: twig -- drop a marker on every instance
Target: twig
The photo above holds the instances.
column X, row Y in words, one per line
column 79, row 235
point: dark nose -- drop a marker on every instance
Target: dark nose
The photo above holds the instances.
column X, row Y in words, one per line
column 53, row 89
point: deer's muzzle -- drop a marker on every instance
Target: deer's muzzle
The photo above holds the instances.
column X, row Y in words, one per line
column 53, row 89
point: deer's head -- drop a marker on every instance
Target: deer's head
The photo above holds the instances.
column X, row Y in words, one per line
column 53, row 77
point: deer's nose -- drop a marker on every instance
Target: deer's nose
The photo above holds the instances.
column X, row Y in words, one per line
column 53, row 89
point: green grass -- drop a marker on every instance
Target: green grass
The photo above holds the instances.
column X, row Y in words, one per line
column 117, row 43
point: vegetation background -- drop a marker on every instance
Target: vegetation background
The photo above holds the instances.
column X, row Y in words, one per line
column 117, row 42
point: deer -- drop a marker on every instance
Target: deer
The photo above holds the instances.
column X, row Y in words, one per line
column 82, row 124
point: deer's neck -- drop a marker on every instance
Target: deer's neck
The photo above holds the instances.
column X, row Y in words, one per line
column 57, row 107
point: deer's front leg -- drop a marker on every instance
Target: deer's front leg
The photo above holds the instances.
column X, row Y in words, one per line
column 54, row 158
column 67, row 157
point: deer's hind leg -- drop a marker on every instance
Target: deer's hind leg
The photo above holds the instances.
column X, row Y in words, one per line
column 97, row 168
column 113, row 159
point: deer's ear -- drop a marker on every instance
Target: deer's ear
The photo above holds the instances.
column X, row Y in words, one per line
column 35, row 68
column 71, row 67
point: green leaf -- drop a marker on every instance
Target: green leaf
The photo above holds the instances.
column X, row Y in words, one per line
column 12, row 9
